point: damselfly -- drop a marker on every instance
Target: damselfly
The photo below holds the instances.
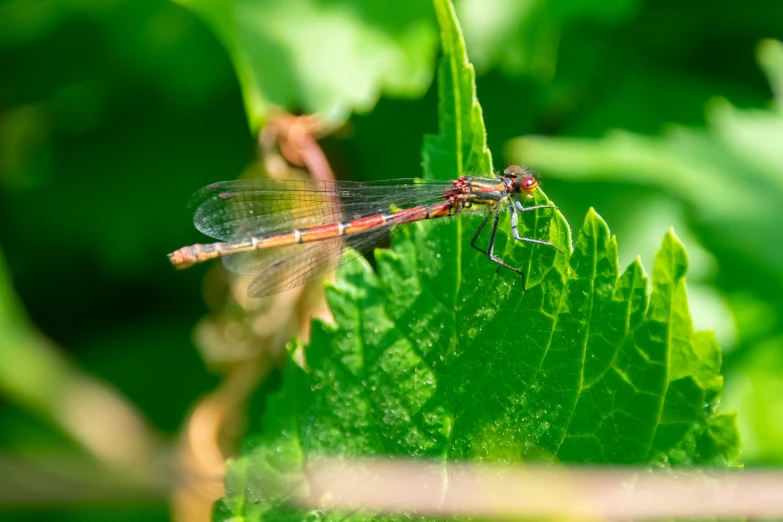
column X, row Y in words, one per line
column 290, row 232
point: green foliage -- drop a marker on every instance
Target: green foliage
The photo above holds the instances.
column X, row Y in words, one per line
column 114, row 111
column 438, row 355
column 522, row 38
column 729, row 176
column 323, row 57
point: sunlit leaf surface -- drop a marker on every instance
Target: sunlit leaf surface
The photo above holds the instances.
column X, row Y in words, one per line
column 438, row 355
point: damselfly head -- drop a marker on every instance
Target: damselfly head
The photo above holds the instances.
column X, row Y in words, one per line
column 525, row 181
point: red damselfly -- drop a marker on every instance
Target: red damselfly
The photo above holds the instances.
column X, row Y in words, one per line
column 290, row 232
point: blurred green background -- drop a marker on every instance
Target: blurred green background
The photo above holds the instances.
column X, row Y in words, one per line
column 656, row 113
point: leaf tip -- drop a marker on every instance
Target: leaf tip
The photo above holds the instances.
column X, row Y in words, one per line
column 635, row 271
column 672, row 241
column 595, row 226
column 594, row 218
column 671, row 258
column 447, row 20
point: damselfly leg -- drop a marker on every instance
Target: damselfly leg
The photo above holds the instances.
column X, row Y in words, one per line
column 514, row 207
column 490, row 252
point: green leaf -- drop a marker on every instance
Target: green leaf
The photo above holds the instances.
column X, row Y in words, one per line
column 439, row 355
column 584, row 367
column 728, row 175
column 323, row 57
column 461, row 145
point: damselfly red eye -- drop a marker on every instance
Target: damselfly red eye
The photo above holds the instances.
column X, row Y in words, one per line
column 529, row 184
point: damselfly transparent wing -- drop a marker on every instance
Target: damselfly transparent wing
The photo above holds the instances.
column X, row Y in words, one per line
column 243, row 209
column 290, row 266
column 231, row 210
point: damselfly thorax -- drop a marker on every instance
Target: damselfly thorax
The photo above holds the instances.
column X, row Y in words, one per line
column 290, row 232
